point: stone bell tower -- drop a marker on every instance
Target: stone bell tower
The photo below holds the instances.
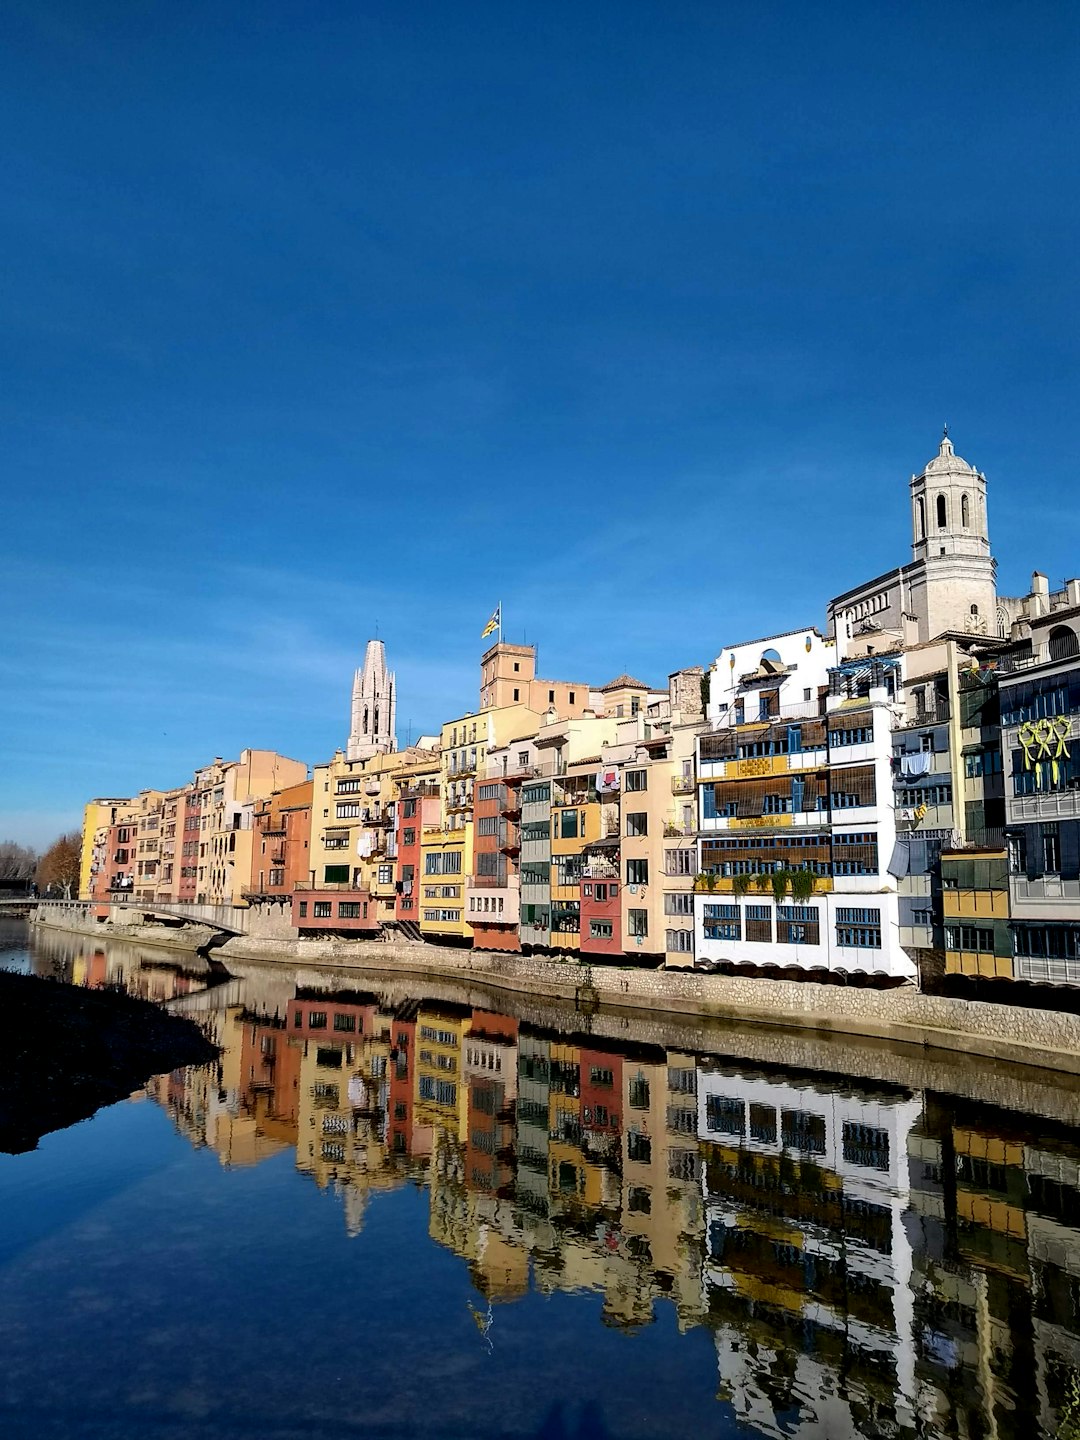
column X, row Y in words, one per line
column 373, row 706
column 952, row 578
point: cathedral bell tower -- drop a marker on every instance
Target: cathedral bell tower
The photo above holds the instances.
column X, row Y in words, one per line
column 952, row 577
column 373, row 706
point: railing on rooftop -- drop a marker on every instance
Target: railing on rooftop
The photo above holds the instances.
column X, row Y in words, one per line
column 806, row 710
column 934, row 714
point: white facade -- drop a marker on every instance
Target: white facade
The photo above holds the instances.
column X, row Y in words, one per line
column 860, row 1146
column 826, row 781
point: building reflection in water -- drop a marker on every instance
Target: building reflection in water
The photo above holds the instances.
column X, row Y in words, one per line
column 870, row 1260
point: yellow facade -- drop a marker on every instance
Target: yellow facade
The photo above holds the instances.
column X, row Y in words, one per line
column 446, row 858
column 441, row 1094
column 353, row 840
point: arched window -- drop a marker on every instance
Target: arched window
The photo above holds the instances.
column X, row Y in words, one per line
column 942, row 513
column 1063, row 643
column 974, row 610
column 920, row 519
column 964, row 511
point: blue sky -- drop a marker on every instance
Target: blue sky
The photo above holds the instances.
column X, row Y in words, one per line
column 635, row 316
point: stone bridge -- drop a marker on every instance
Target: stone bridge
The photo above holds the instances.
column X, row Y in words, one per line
column 231, row 919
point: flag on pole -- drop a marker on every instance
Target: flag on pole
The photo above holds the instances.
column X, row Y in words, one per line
column 495, row 623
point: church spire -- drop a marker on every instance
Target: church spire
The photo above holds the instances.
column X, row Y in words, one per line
column 373, row 706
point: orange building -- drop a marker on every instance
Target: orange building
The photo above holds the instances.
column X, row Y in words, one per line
column 282, row 843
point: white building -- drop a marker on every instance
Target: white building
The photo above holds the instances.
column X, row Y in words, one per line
column 796, row 818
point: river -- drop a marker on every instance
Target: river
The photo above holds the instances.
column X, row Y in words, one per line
column 394, row 1211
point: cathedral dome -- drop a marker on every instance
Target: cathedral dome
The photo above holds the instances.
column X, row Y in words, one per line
column 947, row 462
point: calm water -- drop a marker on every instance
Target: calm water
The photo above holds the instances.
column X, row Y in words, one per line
column 385, row 1213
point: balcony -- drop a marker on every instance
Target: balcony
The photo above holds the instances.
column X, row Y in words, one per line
column 683, row 784
column 332, row 886
column 920, row 716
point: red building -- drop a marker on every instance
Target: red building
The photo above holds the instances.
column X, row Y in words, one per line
column 601, row 925
column 601, row 1087
column 400, row 1119
column 494, row 888
column 417, row 806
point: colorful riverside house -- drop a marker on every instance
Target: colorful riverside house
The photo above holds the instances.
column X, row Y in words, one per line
column 353, row 858
column 975, row 911
column 98, row 816
column 796, row 821
column 281, row 852
column 578, row 820
column 1039, row 687
column 493, row 890
column 417, row 809
column 227, row 793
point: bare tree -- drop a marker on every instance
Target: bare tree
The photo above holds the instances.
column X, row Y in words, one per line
column 17, row 862
column 58, row 868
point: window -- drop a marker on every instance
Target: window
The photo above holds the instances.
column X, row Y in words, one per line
column 1051, row 848
column 303, row 909
column 320, row 910
column 337, row 842
column 801, row 1130
column 600, row 1076
column 721, row 922
column 442, row 862
column 637, row 823
column 386, row 874
column 724, row 1116
column 866, row 1145
column 336, row 874
column 858, row 927
column 343, row 1021
column 637, row 780
column 568, row 824
column 408, row 809
column 797, row 925
column 680, row 862
column 942, row 512
column 348, row 787
column 487, row 825
column 763, row 1124
column 637, row 872
column 970, row 937
column 679, row 903
column 1017, row 846
column 637, row 923
column 351, row 910
column 276, row 877
column 601, row 930
column 680, row 942
column 348, row 810
column 316, row 1019
column 759, row 924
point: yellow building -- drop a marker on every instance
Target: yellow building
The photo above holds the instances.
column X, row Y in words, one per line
column 446, row 858
column 353, row 816
column 975, row 908
column 98, row 815
column 441, row 1096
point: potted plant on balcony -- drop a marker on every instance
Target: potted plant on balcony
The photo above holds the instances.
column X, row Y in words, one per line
column 740, row 884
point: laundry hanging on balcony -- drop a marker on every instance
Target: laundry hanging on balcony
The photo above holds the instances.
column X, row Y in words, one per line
column 913, row 767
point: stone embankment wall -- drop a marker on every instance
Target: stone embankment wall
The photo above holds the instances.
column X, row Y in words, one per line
column 1032, row 1037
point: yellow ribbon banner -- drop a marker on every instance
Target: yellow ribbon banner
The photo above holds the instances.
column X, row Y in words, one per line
column 1038, row 738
